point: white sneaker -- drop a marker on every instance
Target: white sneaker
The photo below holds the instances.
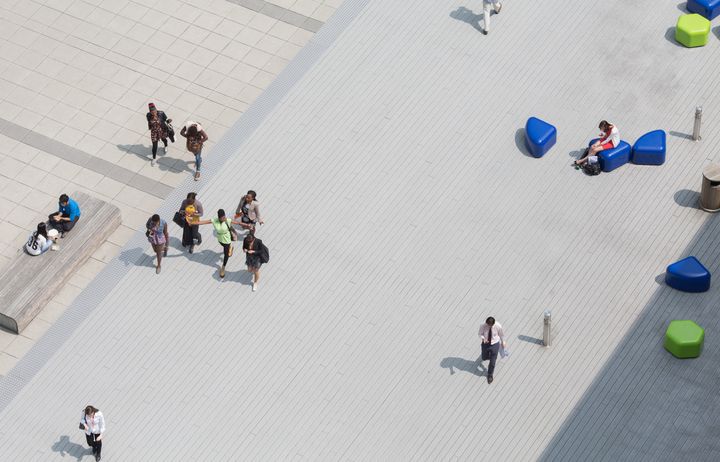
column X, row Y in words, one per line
column 152, row 162
column 254, row 286
column 54, row 247
column 499, row 7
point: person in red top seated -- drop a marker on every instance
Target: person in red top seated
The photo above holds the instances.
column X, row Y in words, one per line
column 609, row 139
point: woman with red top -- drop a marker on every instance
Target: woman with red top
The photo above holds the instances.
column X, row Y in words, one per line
column 609, row 139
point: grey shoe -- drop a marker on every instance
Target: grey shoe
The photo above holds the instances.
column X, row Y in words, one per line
column 157, row 269
column 490, row 378
column 152, row 162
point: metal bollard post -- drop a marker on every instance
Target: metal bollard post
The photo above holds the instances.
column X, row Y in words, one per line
column 547, row 319
column 698, row 122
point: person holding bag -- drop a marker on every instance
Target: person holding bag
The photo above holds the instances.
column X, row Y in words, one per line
column 190, row 212
column 160, row 129
column 195, row 138
column 157, row 234
column 255, row 255
column 248, row 210
column 92, row 423
column 226, row 234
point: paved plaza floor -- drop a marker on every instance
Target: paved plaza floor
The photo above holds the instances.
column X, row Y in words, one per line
column 75, row 80
column 402, row 209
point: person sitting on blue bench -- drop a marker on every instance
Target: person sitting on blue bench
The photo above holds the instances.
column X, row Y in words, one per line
column 67, row 215
column 609, row 139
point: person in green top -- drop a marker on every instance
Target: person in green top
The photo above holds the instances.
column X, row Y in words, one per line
column 225, row 235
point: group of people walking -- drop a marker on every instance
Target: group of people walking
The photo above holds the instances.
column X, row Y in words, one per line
column 161, row 129
column 247, row 216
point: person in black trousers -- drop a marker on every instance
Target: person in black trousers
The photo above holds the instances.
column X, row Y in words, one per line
column 191, row 209
column 160, row 129
column 92, row 423
column 491, row 335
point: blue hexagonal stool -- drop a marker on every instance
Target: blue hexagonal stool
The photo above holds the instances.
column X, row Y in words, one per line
column 708, row 8
column 650, row 148
column 688, row 275
column 540, row 136
column 610, row 159
column 684, row 339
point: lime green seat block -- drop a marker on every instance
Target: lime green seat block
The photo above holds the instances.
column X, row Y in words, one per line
column 684, row 339
column 692, row 30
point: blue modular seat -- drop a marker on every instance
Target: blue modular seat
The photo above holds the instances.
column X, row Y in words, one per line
column 650, row 148
column 708, row 8
column 610, row 159
column 540, row 136
column 688, row 275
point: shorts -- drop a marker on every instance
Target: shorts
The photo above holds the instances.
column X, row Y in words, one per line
column 607, row 145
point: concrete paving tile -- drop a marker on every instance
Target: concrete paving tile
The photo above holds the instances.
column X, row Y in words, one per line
column 269, row 44
column 49, row 127
column 262, row 79
column 262, row 22
column 249, row 36
column 249, row 93
column 67, row 294
column 7, row 362
column 19, row 346
column 53, row 185
column 6, row 338
column 22, row 217
column 284, row 31
column 288, row 51
column 186, row 12
column 301, row 37
column 139, row 199
column 31, row 176
column 9, row 232
column 15, row 191
column 87, row 178
column 241, row 15
column 40, row 202
column 133, row 162
column 52, row 311
column 108, row 187
column 107, row 251
column 27, row 119
column 228, row 28
column 322, row 13
column 208, row 21
column 259, row 58
column 222, row 64
column 305, row 7
column 121, row 235
column 66, row 170
column 174, row 179
column 174, row 27
column 76, row 280
column 9, row 110
column 6, row 207
column 91, row 268
column 36, row 329
column 134, row 11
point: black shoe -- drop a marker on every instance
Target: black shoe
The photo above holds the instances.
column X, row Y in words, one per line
column 191, row 248
column 97, row 457
column 484, row 32
column 199, row 241
column 490, row 379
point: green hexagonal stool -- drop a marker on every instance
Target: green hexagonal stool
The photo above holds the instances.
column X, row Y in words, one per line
column 692, row 30
column 684, row 339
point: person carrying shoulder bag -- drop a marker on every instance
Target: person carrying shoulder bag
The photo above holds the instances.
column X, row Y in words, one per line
column 92, row 423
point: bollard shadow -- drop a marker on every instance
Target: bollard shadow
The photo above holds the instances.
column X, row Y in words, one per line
column 670, row 37
column 452, row 363
column 716, row 31
column 520, row 142
column 680, row 135
column 64, row 447
column 533, row 340
column 660, row 279
column 467, row 16
column 682, row 7
column 687, row 198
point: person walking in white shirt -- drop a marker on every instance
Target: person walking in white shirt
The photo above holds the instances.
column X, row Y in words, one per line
column 491, row 334
column 92, row 423
column 488, row 6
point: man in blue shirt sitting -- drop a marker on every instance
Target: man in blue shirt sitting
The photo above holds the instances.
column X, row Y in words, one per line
column 65, row 218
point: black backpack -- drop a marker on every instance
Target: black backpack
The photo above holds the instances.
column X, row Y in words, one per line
column 591, row 169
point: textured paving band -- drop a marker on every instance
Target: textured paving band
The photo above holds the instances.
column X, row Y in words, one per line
column 83, row 159
column 94, row 294
column 280, row 13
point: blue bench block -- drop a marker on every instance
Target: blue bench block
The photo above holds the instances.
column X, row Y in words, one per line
column 688, row 275
column 650, row 148
column 708, row 8
column 610, row 159
column 540, row 136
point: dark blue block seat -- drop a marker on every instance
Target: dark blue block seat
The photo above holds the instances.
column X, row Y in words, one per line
column 610, row 159
column 540, row 136
column 650, row 148
column 708, row 8
column 688, row 275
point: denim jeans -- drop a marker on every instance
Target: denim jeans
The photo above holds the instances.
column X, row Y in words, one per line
column 198, row 160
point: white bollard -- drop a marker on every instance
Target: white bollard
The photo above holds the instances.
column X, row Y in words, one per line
column 547, row 319
column 698, row 122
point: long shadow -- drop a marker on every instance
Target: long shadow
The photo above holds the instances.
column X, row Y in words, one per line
column 680, row 135
column 528, row 339
column 645, row 404
column 165, row 162
column 520, row 142
column 466, row 365
column 687, row 198
column 64, row 447
column 467, row 16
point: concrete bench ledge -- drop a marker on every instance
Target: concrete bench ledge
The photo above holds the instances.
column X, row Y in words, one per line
column 28, row 283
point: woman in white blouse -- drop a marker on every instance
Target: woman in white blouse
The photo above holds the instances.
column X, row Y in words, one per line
column 92, row 423
column 609, row 139
column 41, row 240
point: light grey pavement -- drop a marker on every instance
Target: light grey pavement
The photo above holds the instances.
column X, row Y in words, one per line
column 75, row 80
column 401, row 211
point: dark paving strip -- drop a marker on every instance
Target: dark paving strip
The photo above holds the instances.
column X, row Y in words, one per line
column 83, row 159
column 280, row 13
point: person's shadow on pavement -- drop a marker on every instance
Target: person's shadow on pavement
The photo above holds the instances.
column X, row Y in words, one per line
column 465, row 15
column 64, row 447
column 464, row 365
